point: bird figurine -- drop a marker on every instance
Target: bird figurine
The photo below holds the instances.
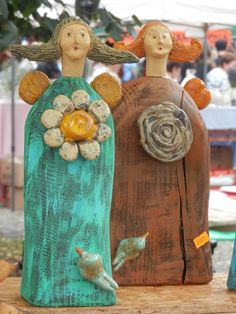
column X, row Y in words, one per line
column 91, row 268
column 6, row 269
column 129, row 249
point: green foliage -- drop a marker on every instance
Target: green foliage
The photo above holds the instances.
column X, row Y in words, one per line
column 20, row 18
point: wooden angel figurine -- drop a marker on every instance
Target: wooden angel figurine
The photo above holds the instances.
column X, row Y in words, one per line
column 161, row 180
column 69, row 165
column 231, row 282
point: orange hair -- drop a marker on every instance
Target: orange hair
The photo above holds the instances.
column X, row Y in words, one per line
column 178, row 53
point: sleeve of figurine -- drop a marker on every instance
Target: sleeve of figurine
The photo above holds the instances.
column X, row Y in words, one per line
column 32, row 86
column 108, row 87
column 197, row 90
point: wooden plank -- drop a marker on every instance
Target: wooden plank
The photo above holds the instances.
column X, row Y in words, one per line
column 211, row 298
column 167, row 199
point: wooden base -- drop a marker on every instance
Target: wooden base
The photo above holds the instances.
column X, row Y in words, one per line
column 211, row 298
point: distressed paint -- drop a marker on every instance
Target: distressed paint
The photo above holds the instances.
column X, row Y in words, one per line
column 67, row 204
column 231, row 282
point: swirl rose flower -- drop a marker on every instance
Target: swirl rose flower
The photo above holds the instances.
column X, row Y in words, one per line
column 165, row 132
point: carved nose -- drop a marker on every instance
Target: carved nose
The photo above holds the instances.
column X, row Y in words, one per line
column 76, row 38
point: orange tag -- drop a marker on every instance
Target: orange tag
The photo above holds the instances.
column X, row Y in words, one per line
column 202, row 239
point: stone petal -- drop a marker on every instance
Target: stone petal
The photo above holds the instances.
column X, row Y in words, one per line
column 63, row 104
column 51, row 118
column 80, row 99
column 69, row 151
column 53, row 137
column 89, row 149
column 100, row 110
column 104, row 132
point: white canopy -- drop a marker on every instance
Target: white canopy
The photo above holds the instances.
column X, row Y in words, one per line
column 190, row 12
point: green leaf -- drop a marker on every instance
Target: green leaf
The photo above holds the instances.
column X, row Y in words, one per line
column 131, row 30
column 111, row 23
column 137, row 20
column 47, row 3
column 48, row 23
column 8, row 35
column 63, row 15
column 4, row 9
column 60, row 2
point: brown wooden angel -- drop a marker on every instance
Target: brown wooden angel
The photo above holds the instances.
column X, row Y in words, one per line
column 161, row 182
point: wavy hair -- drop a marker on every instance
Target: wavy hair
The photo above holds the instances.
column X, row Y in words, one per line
column 178, row 53
column 51, row 50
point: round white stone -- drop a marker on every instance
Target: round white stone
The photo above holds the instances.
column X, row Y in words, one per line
column 89, row 149
column 63, row 104
column 80, row 99
column 104, row 132
column 69, row 151
column 51, row 118
column 53, row 137
column 100, row 110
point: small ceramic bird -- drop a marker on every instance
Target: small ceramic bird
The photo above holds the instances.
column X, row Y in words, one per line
column 6, row 269
column 129, row 249
column 91, row 268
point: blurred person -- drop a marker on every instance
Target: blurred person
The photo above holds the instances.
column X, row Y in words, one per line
column 99, row 68
column 220, row 46
column 173, row 71
column 50, row 68
column 190, row 72
column 217, row 81
column 200, row 64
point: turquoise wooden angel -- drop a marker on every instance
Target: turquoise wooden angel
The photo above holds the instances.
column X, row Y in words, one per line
column 69, row 166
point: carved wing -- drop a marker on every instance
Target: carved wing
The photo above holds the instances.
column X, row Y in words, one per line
column 32, row 86
column 197, row 90
column 108, row 87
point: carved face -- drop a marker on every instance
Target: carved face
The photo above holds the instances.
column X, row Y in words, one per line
column 75, row 41
column 157, row 42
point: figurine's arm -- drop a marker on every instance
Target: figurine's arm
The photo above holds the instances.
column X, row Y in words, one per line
column 197, row 90
column 32, row 86
column 108, row 87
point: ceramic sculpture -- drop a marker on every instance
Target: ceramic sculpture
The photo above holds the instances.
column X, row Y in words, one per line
column 69, row 164
column 161, row 183
column 231, row 282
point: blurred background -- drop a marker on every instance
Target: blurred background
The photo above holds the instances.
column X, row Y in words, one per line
column 212, row 22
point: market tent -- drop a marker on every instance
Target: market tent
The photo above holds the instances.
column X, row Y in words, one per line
column 195, row 13
column 195, row 18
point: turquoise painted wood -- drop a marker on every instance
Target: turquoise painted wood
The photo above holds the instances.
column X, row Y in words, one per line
column 231, row 282
column 67, row 204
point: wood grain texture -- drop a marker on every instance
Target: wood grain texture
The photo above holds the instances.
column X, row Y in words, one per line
column 67, row 204
column 212, row 298
column 169, row 200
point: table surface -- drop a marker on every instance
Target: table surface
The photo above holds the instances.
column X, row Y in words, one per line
column 211, row 298
column 219, row 118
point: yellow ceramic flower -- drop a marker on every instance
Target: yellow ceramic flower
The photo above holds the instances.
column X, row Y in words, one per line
column 76, row 125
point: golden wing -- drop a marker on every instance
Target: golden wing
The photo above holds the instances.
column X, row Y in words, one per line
column 32, row 86
column 108, row 87
column 197, row 90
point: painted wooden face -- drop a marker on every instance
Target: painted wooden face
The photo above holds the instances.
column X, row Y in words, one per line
column 157, row 42
column 75, row 41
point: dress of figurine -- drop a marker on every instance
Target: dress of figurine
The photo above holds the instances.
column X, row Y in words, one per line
column 231, row 282
column 161, row 183
column 69, row 165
